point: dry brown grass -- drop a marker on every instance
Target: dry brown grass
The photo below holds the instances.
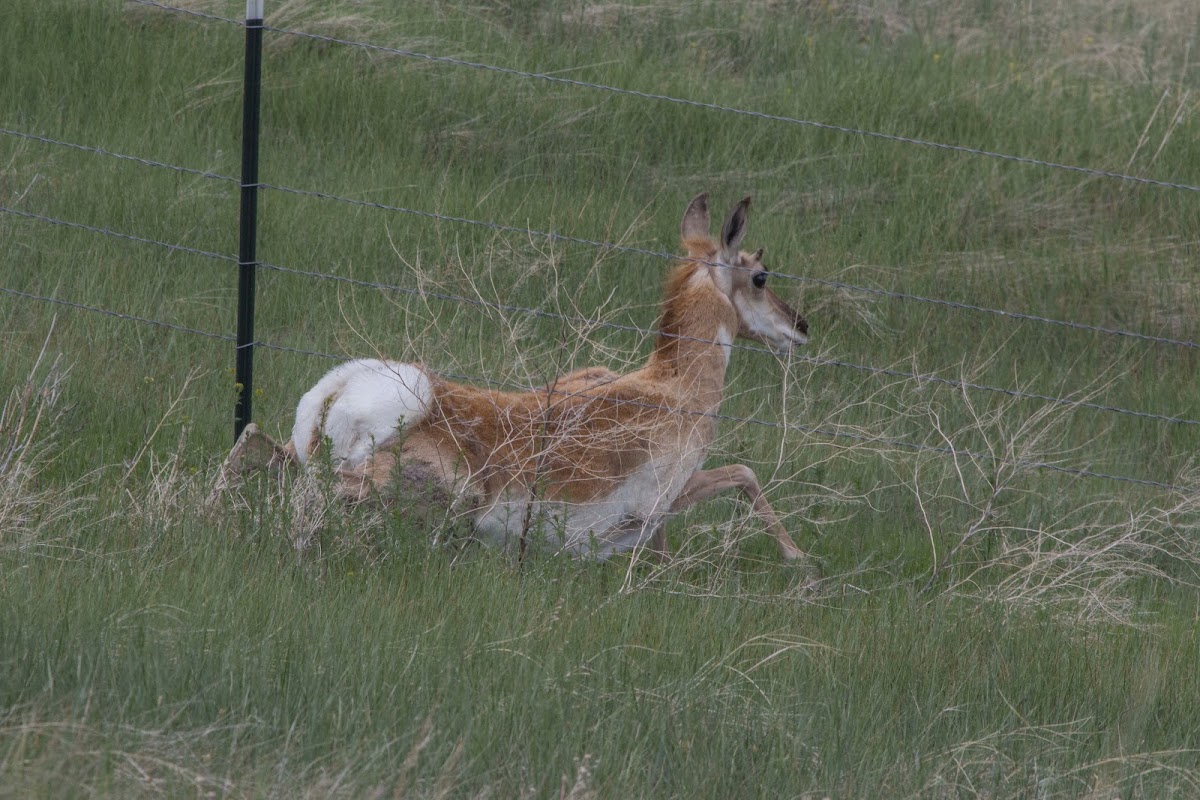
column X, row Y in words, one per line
column 1091, row 34
column 43, row 756
column 30, row 422
column 988, row 767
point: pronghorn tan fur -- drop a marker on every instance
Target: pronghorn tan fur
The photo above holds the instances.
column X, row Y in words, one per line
column 594, row 462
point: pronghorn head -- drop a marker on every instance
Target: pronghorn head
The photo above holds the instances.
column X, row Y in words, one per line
column 741, row 276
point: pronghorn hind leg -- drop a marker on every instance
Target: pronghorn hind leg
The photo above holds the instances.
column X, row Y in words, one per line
column 318, row 491
column 418, row 490
column 708, row 483
column 253, row 451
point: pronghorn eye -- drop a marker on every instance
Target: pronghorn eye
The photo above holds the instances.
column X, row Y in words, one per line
column 759, row 280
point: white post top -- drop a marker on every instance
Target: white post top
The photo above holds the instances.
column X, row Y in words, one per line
column 254, row 9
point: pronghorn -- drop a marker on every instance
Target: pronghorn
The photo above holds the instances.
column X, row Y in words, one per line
column 594, row 462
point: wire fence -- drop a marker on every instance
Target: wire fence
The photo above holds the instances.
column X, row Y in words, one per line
column 596, row 323
column 829, row 433
column 826, row 433
column 832, row 433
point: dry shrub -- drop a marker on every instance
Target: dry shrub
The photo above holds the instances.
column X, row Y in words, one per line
column 1002, row 530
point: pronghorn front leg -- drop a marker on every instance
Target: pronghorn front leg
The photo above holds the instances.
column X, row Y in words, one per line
column 707, row 483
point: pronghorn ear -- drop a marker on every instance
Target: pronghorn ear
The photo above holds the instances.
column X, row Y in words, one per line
column 734, row 229
column 695, row 219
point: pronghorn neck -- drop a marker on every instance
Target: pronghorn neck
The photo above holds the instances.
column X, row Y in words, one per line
column 696, row 329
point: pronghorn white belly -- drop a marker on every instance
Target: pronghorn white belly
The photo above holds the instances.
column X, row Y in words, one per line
column 359, row 405
column 619, row 522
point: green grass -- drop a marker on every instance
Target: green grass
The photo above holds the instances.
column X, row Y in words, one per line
column 979, row 630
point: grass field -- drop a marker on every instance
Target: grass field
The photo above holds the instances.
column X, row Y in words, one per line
column 985, row 625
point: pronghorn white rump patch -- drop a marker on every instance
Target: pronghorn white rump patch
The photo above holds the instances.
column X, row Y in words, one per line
column 360, row 405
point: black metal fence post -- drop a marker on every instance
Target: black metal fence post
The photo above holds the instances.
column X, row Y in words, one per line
column 249, row 216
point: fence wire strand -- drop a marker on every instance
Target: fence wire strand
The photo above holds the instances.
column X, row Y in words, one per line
column 117, row 314
column 62, row 223
column 111, row 154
